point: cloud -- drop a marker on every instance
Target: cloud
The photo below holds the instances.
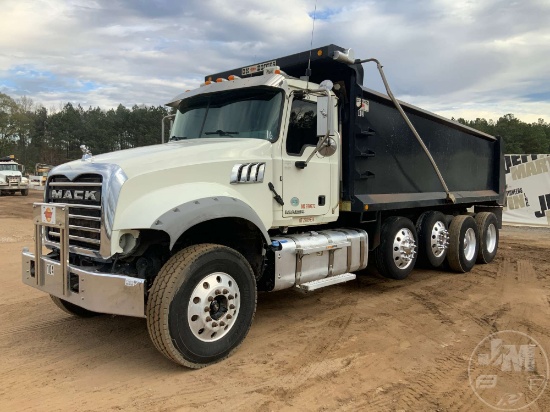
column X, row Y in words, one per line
column 453, row 57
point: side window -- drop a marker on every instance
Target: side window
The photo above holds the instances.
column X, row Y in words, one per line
column 302, row 127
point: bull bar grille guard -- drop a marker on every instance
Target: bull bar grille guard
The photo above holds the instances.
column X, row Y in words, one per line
column 81, row 286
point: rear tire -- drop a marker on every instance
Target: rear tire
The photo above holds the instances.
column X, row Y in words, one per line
column 201, row 305
column 463, row 243
column 395, row 257
column 72, row 309
column 487, row 225
column 433, row 239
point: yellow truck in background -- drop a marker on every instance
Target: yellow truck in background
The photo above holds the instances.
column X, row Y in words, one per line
column 41, row 170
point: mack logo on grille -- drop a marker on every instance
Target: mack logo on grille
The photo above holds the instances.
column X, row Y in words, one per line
column 90, row 195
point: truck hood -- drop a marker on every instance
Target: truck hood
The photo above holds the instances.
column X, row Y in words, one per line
column 174, row 155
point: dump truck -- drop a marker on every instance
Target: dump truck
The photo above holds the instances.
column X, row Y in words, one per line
column 284, row 174
column 11, row 177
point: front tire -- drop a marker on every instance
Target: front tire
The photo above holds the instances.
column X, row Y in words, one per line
column 463, row 243
column 487, row 225
column 395, row 257
column 24, row 192
column 201, row 305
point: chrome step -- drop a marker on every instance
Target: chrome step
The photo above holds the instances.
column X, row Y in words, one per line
column 321, row 283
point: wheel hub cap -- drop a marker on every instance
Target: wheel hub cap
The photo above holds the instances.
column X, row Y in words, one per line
column 491, row 238
column 439, row 239
column 213, row 307
column 469, row 244
column 404, row 248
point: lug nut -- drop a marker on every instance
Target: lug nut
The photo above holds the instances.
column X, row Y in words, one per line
column 207, row 309
column 222, row 323
column 210, row 298
column 217, row 292
column 230, row 297
column 229, row 317
column 231, row 306
column 214, row 324
column 208, row 318
column 225, row 291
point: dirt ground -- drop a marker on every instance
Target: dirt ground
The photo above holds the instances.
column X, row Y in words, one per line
column 370, row 344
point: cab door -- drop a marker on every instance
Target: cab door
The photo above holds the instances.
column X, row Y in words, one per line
column 307, row 192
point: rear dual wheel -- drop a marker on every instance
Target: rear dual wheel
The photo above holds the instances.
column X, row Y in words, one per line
column 487, row 225
column 463, row 243
column 433, row 239
column 396, row 255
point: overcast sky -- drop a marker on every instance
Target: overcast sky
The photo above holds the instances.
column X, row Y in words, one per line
column 478, row 58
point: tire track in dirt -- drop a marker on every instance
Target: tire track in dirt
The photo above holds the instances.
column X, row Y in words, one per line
column 312, row 361
column 425, row 388
column 31, row 328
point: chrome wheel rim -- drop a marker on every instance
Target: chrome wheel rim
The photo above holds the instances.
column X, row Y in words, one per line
column 491, row 238
column 439, row 240
column 213, row 307
column 469, row 244
column 404, row 248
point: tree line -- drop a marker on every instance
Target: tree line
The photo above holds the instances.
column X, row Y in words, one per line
column 34, row 134
column 519, row 137
column 37, row 135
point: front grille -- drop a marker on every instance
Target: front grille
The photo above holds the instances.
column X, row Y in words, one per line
column 83, row 195
column 14, row 180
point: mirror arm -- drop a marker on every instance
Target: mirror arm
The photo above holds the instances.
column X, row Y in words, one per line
column 303, row 164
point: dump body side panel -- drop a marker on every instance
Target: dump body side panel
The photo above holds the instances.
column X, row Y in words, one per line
column 386, row 167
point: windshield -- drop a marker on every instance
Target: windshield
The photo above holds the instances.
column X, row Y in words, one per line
column 12, row 168
column 244, row 113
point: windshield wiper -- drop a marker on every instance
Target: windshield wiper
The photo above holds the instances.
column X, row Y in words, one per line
column 175, row 138
column 221, row 133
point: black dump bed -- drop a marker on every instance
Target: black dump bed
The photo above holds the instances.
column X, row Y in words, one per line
column 384, row 167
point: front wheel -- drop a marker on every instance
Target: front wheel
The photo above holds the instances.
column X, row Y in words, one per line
column 24, row 192
column 201, row 305
column 396, row 255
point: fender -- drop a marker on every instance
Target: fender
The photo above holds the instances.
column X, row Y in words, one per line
column 177, row 220
column 177, row 208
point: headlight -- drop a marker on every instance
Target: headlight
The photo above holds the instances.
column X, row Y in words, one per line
column 25, row 180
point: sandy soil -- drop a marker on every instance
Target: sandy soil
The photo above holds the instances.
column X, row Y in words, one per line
column 371, row 344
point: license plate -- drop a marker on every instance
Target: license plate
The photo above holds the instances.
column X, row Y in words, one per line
column 49, row 269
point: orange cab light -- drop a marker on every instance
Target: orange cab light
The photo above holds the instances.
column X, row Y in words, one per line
column 233, row 77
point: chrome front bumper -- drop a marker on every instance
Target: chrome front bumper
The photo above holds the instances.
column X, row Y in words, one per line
column 13, row 186
column 89, row 289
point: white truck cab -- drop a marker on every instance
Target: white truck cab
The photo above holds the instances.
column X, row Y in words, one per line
column 11, row 177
